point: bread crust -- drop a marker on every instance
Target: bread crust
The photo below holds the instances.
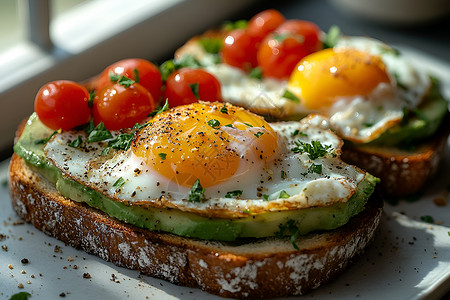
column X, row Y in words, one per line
column 248, row 269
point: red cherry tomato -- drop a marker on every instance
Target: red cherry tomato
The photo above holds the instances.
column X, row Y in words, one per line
column 280, row 52
column 62, row 104
column 239, row 49
column 149, row 76
column 308, row 30
column 183, row 85
column 265, row 22
column 122, row 107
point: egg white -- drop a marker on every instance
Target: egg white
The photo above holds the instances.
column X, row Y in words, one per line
column 144, row 186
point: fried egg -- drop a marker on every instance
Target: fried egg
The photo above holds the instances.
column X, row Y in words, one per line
column 362, row 85
column 244, row 164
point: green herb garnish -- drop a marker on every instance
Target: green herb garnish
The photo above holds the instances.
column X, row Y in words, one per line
column 214, row 123
column 136, row 75
column 240, row 24
column 298, row 132
column 290, row 228
column 44, row 141
column 99, row 133
column 314, row 150
column 76, row 143
column 224, row 110
column 332, row 37
column 283, row 174
column 315, row 168
column 195, row 89
column 284, row 195
column 113, row 76
column 232, row 194
column 265, row 197
column 172, row 65
column 249, row 125
column 90, row 127
column 91, row 99
column 197, row 192
column 258, row 134
column 160, row 109
column 256, row 73
column 125, row 81
column 428, row 219
column 119, row 183
column 289, row 95
column 121, row 142
column 20, row 296
column 162, row 155
column 211, row 45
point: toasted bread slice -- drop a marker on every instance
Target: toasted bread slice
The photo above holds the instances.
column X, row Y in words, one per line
column 247, row 268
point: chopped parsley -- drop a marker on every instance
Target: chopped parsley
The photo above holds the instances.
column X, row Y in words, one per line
column 283, row 174
column 121, row 142
column 332, row 37
column 99, row 133
column 249, row 125
column 211, row 45
column 428, row 219
column 197, row 192
column 90, row 127
column 195, row 90
column 298, row 132
column 289, row 228
column 239, row 24
column 256, row 73
column 20, row 296
column 284, row 195
column 232, row 194
column 172, row 65
column 368, row 124
column 214, row 123
column 91, row 99
column 224, row 110
column 125, row 81
column 289, row 95
column 122, row 79
column 265, row 197
column 76, row 143
column 229, row 125
column 315, row 168
column 162, row 155
column 136, row 75
column 315, row 149
column 44, row 141
column 160, row 109
column 119, row 183
column 113, row 76
column 258, row 134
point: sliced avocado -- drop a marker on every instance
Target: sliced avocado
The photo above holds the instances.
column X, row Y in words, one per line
column 189, row 224
column 420, row 124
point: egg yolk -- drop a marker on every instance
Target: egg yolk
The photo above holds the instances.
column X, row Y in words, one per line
column 324, row 76
column 209, row 142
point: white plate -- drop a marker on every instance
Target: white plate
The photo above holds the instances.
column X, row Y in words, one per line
column 409, row 259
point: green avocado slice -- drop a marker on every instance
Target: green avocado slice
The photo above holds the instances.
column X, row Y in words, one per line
column 189, row 224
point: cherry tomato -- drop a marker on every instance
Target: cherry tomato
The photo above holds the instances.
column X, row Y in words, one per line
column 240, row 48
column 265, row 22
column 62, row 104
column 149, row 76
column 120, row 107
column 188, row 85
column 281, row 50
column 308, row 30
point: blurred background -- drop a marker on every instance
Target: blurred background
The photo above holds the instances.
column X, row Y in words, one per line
column 45, row 40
